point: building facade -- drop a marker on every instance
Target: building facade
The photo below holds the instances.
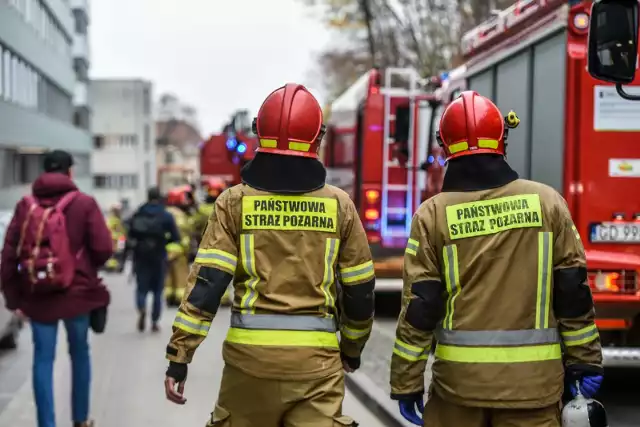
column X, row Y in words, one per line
column 123, row 163
column 178, row 142
column 37, row 88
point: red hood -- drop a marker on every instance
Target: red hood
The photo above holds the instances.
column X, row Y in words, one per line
column 51, row 185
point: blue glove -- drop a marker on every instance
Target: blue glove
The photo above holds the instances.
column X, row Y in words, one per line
column 589, row 386
column 408, row 409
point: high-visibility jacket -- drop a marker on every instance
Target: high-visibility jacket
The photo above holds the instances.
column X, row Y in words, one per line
column 202, row 217
column 284, row 253
column 498, row 278
column 175, row 249
column 115, row 225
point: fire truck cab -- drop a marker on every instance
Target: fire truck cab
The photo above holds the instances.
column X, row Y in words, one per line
column 579, row 137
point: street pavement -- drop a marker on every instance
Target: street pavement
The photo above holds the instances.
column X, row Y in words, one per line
column 128, row 375
column 620, row 392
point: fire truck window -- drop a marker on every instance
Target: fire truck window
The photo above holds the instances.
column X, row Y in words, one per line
column 483, row 83
column 512, row 85
column 402, row 124
column 547, row 117
column 456, row 93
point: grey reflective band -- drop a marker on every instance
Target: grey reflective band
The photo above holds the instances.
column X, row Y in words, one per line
column 568, row 338
column 366, row 269
column 217, row 256
column 282, row 322
column 411, row 245
column 497, row 338
column 409, row 352
column 191, row 325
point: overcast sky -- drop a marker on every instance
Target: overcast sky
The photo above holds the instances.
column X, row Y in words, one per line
column 218, row 55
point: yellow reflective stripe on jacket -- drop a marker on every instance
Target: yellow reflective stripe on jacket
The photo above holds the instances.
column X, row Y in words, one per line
column 452, row 279
column 331, row 249
column 545, row 269
column 581, row 336
column 358, row 273
column 191, row 324
column 247, row 251
column 353, row 334
column 278, row 338
column 216, row 257
column 412, row 247
column 575, row 231
column 174, row 248
column 523, row 354
column 410, row 352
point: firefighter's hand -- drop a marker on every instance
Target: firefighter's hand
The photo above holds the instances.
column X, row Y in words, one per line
column 350, row 364
column 174, row 382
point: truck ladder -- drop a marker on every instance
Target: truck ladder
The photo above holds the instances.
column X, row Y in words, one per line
column 410, row 76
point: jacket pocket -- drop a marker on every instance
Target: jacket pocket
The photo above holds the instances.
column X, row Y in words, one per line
column 220, row 417
column 344, row 421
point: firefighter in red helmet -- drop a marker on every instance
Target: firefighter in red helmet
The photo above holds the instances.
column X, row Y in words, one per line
column 282, row 236
column 179, row 201
column 495, row 279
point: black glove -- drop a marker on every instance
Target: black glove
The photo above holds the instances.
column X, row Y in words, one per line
column 177, row 371
column 353, row 362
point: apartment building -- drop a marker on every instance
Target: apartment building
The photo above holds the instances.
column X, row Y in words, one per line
column 38, row 46
column 123, row 163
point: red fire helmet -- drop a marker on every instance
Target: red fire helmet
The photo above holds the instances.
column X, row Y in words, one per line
column 179, row 196
column 472, row 124
column 290, row 122
column 214, row 186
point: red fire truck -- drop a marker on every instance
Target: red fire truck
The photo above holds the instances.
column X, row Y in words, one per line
column 223, row 155
column 375, row 146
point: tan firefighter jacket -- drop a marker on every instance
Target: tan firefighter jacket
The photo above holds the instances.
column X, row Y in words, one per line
column 176, row 249
column 284, row 254
column 498, row 279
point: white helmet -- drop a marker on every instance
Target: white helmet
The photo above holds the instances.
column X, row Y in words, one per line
column 581, row 412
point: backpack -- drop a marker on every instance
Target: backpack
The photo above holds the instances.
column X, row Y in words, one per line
column 46, row 262
column 148, row 233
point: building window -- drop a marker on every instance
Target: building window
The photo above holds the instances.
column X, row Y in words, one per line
column 38, row 16
column 116, row 182
column 98, row 142
column 147, row 138
column 81, row 165
column 169, row 157
column 146, row 101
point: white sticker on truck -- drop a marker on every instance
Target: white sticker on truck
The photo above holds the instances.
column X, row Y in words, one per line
column 613, row 113
column 624, row 168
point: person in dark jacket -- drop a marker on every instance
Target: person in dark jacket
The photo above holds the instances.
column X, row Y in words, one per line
column 150, row 266
column 90, row 238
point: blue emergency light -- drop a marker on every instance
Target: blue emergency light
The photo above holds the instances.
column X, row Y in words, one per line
column 241, row 148
column 232, row 143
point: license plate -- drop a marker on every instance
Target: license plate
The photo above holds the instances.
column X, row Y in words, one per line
column 615, row 232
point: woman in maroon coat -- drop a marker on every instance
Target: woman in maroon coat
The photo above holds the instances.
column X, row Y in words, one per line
column 89, row 236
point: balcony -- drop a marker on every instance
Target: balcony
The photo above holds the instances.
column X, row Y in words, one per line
column 81, row 47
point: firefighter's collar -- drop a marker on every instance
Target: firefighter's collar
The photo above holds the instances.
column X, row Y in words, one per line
column 478, row 172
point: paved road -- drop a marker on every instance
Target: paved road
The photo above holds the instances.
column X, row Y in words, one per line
column 620, row 393
column 128, row 376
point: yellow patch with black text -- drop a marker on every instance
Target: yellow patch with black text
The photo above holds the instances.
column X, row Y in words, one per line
column 289, row 213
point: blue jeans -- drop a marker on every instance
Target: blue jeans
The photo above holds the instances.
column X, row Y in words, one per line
column 150, row 279
column 44, row 341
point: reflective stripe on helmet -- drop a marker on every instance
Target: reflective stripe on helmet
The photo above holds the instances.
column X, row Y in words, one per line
column 268, row 143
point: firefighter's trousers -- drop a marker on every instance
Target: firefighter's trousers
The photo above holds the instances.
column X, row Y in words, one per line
column 176, row 280
column 440, row 413
column 248, row 401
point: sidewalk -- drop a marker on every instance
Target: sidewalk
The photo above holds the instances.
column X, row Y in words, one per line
column 128, row 375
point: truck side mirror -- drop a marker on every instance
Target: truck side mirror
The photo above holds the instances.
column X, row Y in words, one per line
column 613, row 42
